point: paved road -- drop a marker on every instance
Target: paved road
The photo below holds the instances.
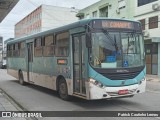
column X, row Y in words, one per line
column 34, row 98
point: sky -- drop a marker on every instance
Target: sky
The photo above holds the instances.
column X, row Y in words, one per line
column 24, row 7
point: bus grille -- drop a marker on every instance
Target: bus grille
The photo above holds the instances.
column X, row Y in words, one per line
column 121, row 76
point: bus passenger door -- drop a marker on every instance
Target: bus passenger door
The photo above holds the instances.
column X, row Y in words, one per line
column 30, row 61
column 79, row 66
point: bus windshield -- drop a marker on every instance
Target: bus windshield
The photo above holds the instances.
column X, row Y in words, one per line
column 116, row 49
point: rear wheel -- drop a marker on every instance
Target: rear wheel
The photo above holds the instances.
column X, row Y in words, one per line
column 63, row 90
column 21, row 80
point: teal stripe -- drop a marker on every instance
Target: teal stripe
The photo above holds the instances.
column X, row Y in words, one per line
column 108, row 82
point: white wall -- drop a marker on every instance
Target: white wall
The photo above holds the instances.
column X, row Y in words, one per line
column 145, row 9
column 145, row 12
column 53, row 17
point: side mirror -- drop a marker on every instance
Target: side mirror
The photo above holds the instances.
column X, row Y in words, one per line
column 88, row 40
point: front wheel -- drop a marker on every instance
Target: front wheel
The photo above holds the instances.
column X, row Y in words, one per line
column 63, row 90
column 21, row 80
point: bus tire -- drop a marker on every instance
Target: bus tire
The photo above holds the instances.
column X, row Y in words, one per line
column 63, row 90
column 21, row 79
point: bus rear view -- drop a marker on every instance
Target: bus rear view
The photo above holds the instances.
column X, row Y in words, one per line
column 116, row 59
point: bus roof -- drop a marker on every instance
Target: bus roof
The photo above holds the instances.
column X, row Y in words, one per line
column 62, row 28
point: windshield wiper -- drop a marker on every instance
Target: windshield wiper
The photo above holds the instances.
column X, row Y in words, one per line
column 108, row 36
column 113, row 42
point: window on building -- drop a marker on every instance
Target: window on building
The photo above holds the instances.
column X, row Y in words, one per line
column 48, row 49
column 81, row 17
column 94, row 14
column 121, row 4
column 104, row 12
column 153, row 22
column 143, row 23
column 38, row 47
column 144, row 2
column 62, row 44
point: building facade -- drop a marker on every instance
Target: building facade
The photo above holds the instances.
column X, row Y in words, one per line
column 43, row 18
column 145, row 11
column 109, row 8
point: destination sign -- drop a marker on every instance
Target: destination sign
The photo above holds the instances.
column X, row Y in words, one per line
column 117, row 24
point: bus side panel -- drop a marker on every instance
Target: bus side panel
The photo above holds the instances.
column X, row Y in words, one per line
column 25, row 77
column 45, row 80
column 13, row 73
column 44, row 72
column 64, row 70
column 49, row 82
column 14, row 65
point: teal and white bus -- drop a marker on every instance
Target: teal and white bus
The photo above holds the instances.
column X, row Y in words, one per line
column 90, row 59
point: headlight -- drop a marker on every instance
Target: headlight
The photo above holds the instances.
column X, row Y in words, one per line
column 95, row 82
column 143, row 79
column 140, row 82
column 92, row 80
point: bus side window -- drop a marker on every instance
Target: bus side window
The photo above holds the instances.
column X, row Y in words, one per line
column 62, row 44
column 22, row 49
column 38, row 47
column 8, row 50
column 48, row 49
column 16, row 50
column 13, row 50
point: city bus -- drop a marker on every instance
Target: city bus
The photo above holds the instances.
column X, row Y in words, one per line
column 90, row 59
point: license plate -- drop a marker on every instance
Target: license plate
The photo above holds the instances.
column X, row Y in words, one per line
column 122, row 92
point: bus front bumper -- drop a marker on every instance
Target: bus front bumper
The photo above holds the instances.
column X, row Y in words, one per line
column 96, row 92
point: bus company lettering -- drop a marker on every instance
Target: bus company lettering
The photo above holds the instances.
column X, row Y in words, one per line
column 122, row 71
column 119, row 24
